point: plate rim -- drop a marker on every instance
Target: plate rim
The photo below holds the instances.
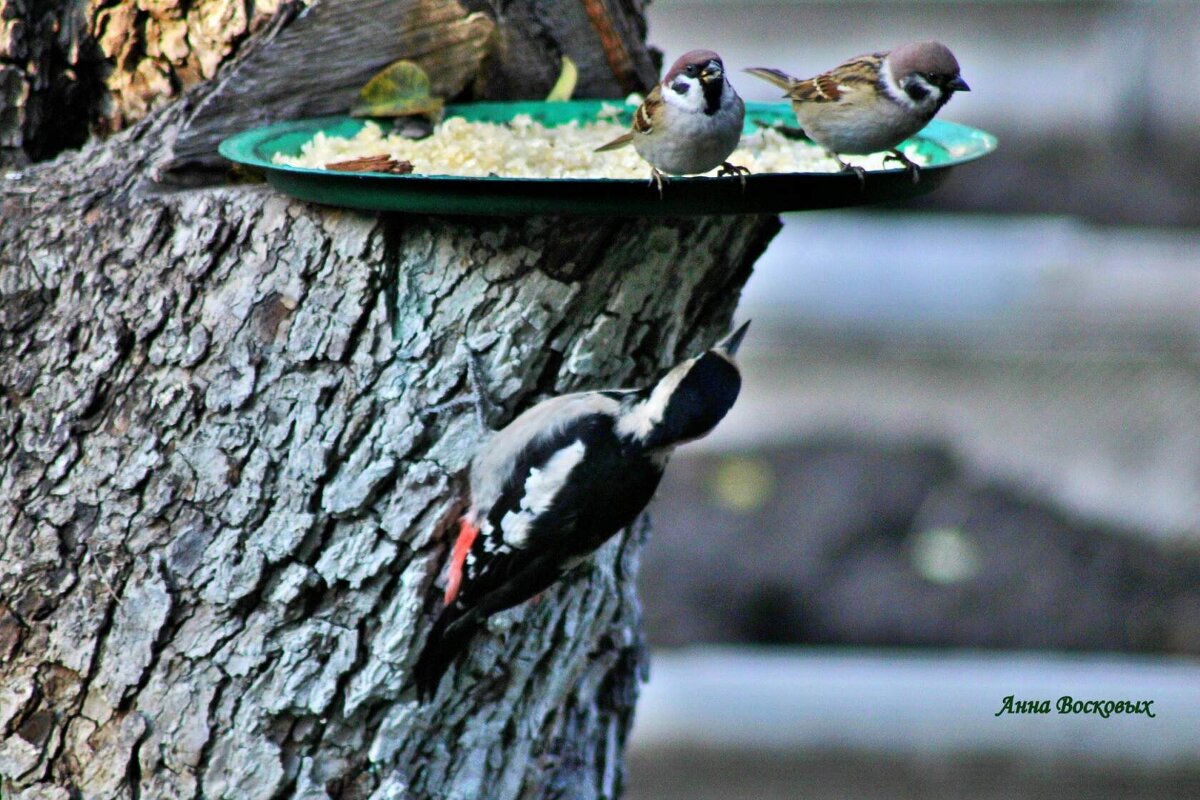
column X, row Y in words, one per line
column 240, row 148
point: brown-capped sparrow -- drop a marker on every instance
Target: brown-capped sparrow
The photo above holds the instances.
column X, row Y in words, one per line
column 872, row 102
column 690, row 122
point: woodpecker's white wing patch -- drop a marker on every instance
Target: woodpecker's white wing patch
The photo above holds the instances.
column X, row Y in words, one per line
column 497, row 458
column 541, row 487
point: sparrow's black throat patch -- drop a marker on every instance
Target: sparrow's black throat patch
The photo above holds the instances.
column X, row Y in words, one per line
column 712, row 95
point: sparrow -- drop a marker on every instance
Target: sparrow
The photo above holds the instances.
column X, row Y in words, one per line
column 689, row 123
column 872, row 102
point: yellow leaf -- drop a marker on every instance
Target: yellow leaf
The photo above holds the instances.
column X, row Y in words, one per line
column 402, row 89
column 564, row 87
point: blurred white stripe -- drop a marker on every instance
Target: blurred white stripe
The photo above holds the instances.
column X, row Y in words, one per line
column 900, row 703
column 883, row 270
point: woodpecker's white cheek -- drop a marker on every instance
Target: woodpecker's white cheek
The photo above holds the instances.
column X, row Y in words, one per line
column 541, row 487
column 640, row 420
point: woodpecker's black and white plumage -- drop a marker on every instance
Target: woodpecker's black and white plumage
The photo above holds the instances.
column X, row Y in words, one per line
column 559, row 481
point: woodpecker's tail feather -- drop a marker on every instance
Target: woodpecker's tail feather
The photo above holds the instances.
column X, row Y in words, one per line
column 616, row 143
column 775, row 76
column 448, row 637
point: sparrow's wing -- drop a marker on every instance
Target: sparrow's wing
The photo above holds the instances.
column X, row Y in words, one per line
column 775, row 76
column 858, row 73
column 823, row 88
column 643, row 120
column 840, row 83
column 616, row 143
column 649, row 111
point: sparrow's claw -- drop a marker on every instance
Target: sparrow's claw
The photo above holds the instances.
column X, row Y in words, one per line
column 657, row 179
column 914, row 171
column 734, row 169
column 859, row 172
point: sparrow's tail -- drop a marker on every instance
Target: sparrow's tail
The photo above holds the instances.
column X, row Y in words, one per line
column 449, row 636
column 617, row 143
column 775, row 76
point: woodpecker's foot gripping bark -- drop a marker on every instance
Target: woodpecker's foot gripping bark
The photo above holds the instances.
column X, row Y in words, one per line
column 479, row 399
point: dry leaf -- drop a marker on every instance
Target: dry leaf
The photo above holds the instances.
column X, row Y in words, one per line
column 373, row 164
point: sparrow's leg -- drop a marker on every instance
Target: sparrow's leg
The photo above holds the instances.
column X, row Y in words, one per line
column 657, row 179
column 734, row 169
column 914, row 171
column 480, row 398
column 859, row 171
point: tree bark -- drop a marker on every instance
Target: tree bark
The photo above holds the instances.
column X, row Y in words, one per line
column 225, row 506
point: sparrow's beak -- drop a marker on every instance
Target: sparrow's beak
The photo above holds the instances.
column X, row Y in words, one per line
column 711, row 73
column 733, row 341
column 958, row 85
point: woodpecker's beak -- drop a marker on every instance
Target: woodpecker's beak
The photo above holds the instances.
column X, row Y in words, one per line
column 733, row 341
column 958, row 85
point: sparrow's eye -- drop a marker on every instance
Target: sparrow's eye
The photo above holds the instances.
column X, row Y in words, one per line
column 691, row 70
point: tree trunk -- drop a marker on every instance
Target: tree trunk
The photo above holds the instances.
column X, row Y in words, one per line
column 225, row 506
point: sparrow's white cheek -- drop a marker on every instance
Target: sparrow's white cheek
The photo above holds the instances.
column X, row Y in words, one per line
column 920, row 93
column 690, row 99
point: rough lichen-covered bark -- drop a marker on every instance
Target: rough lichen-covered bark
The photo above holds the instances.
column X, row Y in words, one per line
column 225, row 508
column 225, row 505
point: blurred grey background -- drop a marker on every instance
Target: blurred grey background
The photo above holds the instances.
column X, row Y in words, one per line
column 966, row 459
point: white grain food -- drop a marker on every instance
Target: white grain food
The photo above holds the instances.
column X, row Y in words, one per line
column 523, row 148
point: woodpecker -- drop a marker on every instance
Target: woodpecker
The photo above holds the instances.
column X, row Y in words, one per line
column 559, row 481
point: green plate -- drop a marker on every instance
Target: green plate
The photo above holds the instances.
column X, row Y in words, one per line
column 944, row 144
